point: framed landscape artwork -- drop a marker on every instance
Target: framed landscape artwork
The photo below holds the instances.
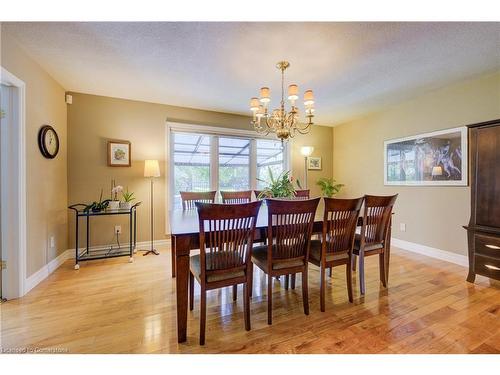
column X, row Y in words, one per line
column 119, row 153
column 437, row 158
column 314, row 162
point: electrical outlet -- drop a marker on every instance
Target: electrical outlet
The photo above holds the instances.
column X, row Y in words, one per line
column 402, row 227
column 118, row 229
column 52, row 241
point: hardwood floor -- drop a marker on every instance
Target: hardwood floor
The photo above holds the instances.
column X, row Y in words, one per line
column 112, row 306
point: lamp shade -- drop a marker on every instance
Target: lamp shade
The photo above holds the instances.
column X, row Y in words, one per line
column 306, row 150
column 151, row 168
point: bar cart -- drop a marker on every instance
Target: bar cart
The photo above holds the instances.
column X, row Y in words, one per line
column 89, row 253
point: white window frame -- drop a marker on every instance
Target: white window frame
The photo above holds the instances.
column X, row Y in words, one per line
column 218, row 132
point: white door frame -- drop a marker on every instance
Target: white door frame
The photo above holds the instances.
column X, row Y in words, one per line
column 14, row 188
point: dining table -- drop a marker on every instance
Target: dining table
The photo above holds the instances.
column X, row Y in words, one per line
column 185, row 237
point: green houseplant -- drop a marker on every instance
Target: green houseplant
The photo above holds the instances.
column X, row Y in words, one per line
column 279, row 187
column 101, row 205
column 329, row 187
column 128, row 197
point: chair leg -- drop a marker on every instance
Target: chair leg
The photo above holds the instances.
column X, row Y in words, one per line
column 331, row 271
column 293, row 280
column 235, row 292
column 287, row 281
column 269, row 300
column 203, row 314
column 191, row 291
column 246, row 306
column 361, row 272
column 353, row 262
column 305, row 292
column 250, row 282
column 381, row 264
column 322, row 288
column 348, row 270
column 387, row 257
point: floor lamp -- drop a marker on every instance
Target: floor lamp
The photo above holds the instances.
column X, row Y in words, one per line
column 306, row 151
column 152, row 170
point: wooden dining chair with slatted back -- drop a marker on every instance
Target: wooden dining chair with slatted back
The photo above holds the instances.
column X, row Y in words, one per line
column 257, row 194
column 189, row 198
column 289, row 231
column 233, row 197
column 301, row 194
column 226, row 240
column 339, row 227
column 373, row 238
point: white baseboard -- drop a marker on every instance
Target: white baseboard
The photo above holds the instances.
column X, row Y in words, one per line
column 54, row 264
column 431, row 252
column 45, row 271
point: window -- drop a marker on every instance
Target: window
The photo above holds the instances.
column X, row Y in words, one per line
column 269, row 157
column 191, row 156
column 234, row 164
column 217, row 160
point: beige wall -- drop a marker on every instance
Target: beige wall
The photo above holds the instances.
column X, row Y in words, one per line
column 46, row 179
column 92, row 120
column 433, row 215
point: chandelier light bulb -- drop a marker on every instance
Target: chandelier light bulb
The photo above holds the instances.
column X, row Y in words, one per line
column 308, row 98
column 254, row 104
column 265, row 95
column 293, row 92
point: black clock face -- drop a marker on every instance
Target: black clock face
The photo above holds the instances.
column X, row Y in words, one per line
column 48, row 141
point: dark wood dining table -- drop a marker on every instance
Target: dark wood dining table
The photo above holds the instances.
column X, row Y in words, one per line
column 185, row 237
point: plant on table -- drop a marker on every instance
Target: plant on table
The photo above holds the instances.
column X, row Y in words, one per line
column 279, row 187
column 101, row 205
column 329, row 187
column 128, row 197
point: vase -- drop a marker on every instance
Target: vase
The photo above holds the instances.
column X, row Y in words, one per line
column 125, row 205
column 114, row 205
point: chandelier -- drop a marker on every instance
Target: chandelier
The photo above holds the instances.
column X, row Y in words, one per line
column 284, row 124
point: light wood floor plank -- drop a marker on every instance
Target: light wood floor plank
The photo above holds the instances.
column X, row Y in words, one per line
column 111, row 306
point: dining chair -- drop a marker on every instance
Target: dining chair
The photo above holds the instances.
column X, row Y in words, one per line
column 226, row 240
column 302, row 194
column 189, row 198
column 335, row 249
column 289, row 231
column 236, row 196
column 373, row 238
column 257, row 193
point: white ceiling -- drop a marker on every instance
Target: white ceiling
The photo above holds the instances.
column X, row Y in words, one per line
column 354, row 68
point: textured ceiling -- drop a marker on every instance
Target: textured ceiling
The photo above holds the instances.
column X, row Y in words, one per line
column 353, row 68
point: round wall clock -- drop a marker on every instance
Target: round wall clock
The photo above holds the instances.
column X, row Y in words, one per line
column 48, row 141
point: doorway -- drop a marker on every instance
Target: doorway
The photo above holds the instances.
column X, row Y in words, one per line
column 12, row 186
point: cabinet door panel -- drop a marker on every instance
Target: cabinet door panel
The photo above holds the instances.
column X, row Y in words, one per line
column 488, row 176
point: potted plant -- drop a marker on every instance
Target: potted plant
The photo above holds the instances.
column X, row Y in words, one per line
column 99, row 206
column 328, row 186
column 114, row 203
column 128, row 197
column 280, row 187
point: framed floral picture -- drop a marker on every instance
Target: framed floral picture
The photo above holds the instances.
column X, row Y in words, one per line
column 314, row 162
column 119, row 153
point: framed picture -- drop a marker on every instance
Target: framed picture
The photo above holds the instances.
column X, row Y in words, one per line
column 437, row 158
column 314, row 162
column 119, row 153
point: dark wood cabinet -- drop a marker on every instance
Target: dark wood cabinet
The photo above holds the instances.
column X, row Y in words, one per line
column 483, row 231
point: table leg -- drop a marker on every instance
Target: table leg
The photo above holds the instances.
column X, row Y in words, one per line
column 88, row 233
column 77, row 266
column 172, row 250
column 181, row 281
